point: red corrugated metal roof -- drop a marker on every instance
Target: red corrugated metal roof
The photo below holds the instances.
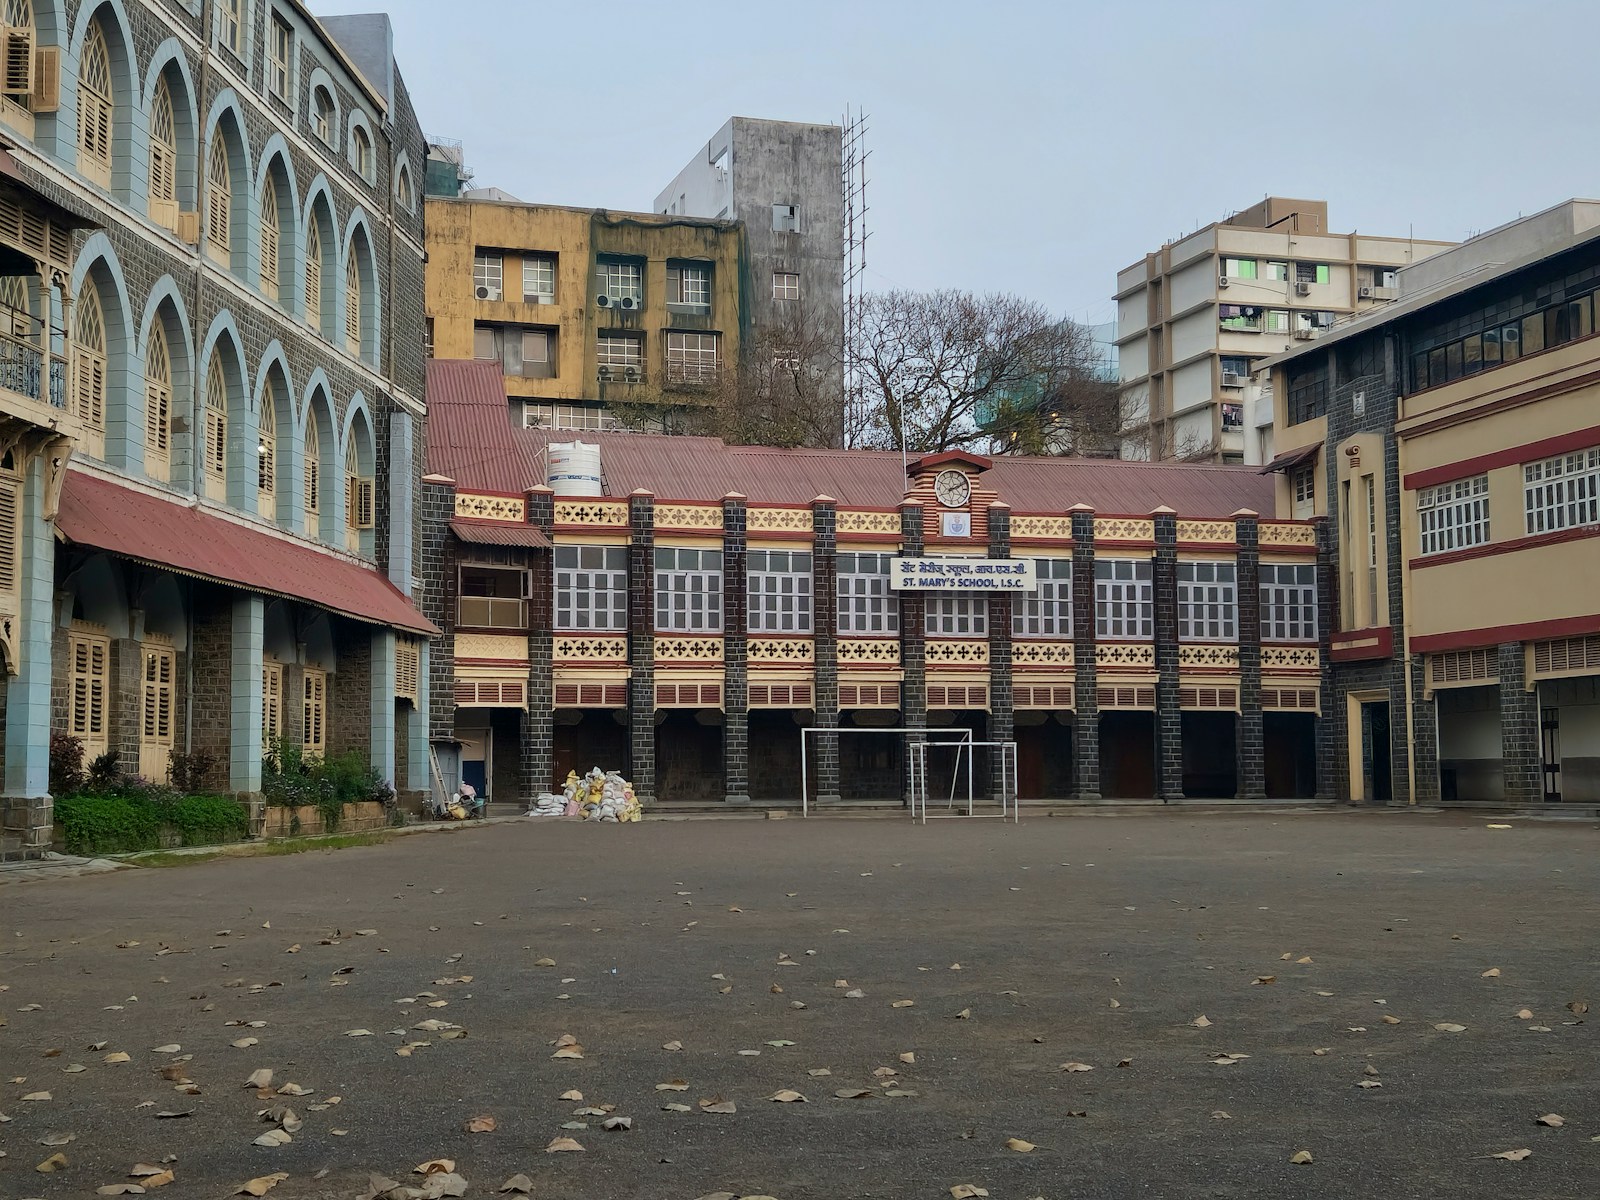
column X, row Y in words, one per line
column 106, row 515
column 471, row 439
column 499, row 533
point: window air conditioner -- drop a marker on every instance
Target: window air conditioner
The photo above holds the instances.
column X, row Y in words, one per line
column 602, row 301
column 1366, row 292
column 484, row 292
column 605, row 374
column 630, row 374
column 1229, row 379
column 627, row 304
column 1302, row 289
column 1222, row 281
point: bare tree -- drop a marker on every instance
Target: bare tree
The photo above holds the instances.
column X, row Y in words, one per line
column 948, row 369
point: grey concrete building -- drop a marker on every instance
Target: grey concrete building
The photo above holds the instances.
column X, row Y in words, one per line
column 783, row 180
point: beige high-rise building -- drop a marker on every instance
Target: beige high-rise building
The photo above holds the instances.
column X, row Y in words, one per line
column 1194, row 317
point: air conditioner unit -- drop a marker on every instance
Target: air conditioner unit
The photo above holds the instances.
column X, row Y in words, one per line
column 605, row 374
column 484, row 292
column 1229, row 379
column 630, row 374
column 1222, row 281
column 1365, row 291
column 1302, row 289
column 603, row 301
column 627, row 304
column 1306, row 334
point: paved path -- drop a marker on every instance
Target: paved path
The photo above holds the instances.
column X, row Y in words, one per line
column 1090, row 940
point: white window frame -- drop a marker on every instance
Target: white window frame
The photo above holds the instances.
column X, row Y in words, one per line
column 1046, row 611
column 488, row 270
column 778, row 586
column 1288, row 602
column 618, row 351
column 693, row 286
column 956, row 614
column 785, row 218
column 868, row 606
column 688, row 590
column 280, row 70
column 1208, row 601
column 538, row 279
column 693, row 357
column 1124, row 599
column 232, row 21
column 621, row 279
column 1277, row 321
column 1562, row 492
column 1454, row 515
column 785, row 285
column 591, row 588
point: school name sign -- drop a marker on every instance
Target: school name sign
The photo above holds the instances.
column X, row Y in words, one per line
column 961, row 574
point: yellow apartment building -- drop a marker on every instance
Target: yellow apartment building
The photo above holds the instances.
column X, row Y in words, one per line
column 1451, row 444
column 585, row 309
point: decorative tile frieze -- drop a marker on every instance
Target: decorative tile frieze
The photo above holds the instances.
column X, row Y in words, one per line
column 689, row 516
column 1125, row 656
column 966, row 654
column 1124, row 529
column 606, row 514
column 1297, row 535
column 1290, row 658
column 1042, row 654
column 568, row 647
column 491, row 508
column 868, row 522
column 865, row 652
column 1054, row 528
column 777, row 520
column 688, row 649
column 780, row 650
column 1213, row 657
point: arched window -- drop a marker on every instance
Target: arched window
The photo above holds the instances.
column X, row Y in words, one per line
column 163, row 157
column 94, row 107
column 269, row 238
column 16, row 313
column 313, row 477
column 314, row 275
column 219, row 204
column 89, row 377
column 216, row 445
column 361, row 152
column 322, row 118
column 267, row 455
column 402, row 189
column 16, row 59
column 157, row 405
column 352, row 304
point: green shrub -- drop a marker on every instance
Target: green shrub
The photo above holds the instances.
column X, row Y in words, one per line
column 206, row 820
column 107, row 824
column 290, row 779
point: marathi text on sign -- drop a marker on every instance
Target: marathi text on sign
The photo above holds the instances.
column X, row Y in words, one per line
column 962, row 574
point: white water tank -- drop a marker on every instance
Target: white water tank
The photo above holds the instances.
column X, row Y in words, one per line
column 574, row 469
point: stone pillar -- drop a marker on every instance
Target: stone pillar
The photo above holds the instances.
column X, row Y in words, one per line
column 825, row 605
column 211, row 702
column 1425, row 737
column 1086, row 696
column 382, row 752
column 29, row 816
column 1250, row 740
column 537, row 764
column 1169, row 715
column 735, row 652
column 1002, row 713
column 642, row 644
column 294, row 698
column 1520, row 742
column 913, row 638
column 418, row 777
column 244, row 740
column 395, row 520
column 436, row 597
column 1331, row 731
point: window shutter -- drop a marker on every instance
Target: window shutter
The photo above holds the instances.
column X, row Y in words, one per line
column 10, row 533
column 46, row 79
column 271, row 702
column 157, row 409
column 17, row 77
column 364, row 503
column 316, row 712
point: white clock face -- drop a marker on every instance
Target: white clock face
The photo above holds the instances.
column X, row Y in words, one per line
column 952, row 488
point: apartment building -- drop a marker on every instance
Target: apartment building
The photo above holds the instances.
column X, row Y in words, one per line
column 1450, row 444
column 1195, row 318
column 585, row 310
column 214, row 377
column 685, row 620
column 783, row 181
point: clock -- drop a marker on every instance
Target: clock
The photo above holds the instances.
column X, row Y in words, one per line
column 952, row 488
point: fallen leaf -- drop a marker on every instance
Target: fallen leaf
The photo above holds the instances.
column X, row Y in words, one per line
column 718, row 1105
column 259, row 1079
column 787, row 1096
column 1322, row 1051
column 1390, row 1020
column 274, row 1137
column 1227, row 1060
column 908, row 1057
column 1369, row 1083
column 119, row 1189
column 1265, row 979
column 1512, row 1155
column 160, row 1179
column 169, row 1048
column 168, row 1114
column 520, row 1184
column 1553, row 1120
column 673, row 1046
column 562, row 1143
column 855, row 994
column 118, row 1056
column 1447, row 1027
column 1221, row 1115
column 358, row 1033
column 1491, row 973
column 435, row 1166
column 1300, row 1158
column 572, row 1051
column 1076, row 1066
column 481, row 1125
column 544, row 962
column 1524, row 1014
column 676, row 1108
column 852, row 1093
column 56, row 1162
column 58, row 1139
column 672, row 1085
column 37, row 1096
column 965, row 1191
column 245, row 1043
column 617, row 1124
column 1577, row 1007
column 818, row 1072
column 294, row 1089
column 1201, row 1022
column 1303, row 961
column 780, row 1043
column 262, row 1185
column 1020, row 1146
column 964, row 1015
column 902, row 1004
column 145, row 1170
column 1124, row 1062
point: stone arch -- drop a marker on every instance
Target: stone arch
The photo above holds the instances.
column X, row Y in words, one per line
column 223, row 393
column 169, row 66
column 360, row 127
column 127, row 165
column 405, row 184
column 322, row 252
column 320, row 79
column 276, row 167
column 123, row 431
column 320, row 459
column 225, row 133
column 165, row 305
column 99, row 594
column 359, row 456
column 276, row 439
column 161, row 600
column 358, row 263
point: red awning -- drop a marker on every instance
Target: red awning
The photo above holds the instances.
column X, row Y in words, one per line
column 499, row 533
column 169, row 533
column 1290, row 459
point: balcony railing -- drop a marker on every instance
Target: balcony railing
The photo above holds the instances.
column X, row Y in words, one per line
column 695, row 373
column 492, row 612
column 23, row 370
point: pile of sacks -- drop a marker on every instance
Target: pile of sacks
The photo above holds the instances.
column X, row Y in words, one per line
column 597, row 796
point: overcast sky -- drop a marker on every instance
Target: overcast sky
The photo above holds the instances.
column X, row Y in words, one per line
column 1034, row 148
